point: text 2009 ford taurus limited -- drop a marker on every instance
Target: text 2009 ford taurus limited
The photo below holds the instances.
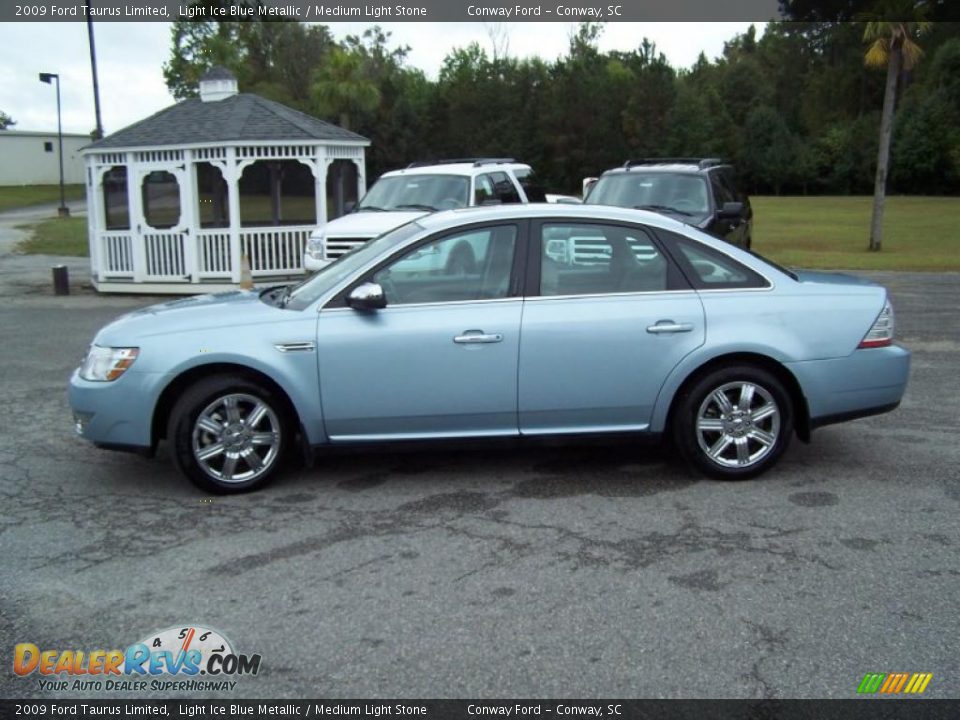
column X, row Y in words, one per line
column 573, row 319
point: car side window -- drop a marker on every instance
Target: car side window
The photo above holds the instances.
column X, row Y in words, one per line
column 471, row 265
column 712, row 270
column 721, row 192
column 505, row 190
column 531, row 185
column 483, row 190
column 588, row 259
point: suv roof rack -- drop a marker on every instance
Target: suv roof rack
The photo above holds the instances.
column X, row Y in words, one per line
column 476, row 162
column 699, row 162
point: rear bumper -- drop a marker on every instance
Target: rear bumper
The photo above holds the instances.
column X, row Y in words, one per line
column 851, row 415
column 866, row 382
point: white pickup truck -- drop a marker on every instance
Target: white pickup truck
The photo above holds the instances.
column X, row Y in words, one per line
column 400, row 196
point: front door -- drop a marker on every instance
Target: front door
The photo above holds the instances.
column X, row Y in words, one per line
column 441, row 359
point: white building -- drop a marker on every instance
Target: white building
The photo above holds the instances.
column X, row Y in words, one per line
column 176, row 201
column 30, row 158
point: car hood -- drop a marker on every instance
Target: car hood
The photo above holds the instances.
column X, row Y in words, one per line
column 198, row 313
column 368, row 224
column 832, row 278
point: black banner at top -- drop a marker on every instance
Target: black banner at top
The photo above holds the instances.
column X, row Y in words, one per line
column 331, row 11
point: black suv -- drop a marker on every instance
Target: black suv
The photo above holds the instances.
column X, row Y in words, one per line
column 698, row 191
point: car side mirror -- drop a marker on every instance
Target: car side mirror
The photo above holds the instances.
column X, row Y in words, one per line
column 730, row 211
column 367, row 296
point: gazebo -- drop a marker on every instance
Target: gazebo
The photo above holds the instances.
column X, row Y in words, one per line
column 176, row 201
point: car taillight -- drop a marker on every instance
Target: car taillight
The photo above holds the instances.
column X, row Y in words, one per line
column 881, row 334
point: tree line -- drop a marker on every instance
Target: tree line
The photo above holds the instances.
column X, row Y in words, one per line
column 796, row 109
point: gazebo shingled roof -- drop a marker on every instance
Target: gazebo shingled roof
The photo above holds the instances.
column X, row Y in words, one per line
column 242, row 117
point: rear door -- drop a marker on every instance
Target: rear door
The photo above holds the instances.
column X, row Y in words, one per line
column 604, row 323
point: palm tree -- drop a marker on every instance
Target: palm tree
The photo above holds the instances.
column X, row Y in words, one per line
column 892, row 45
column 342, row 87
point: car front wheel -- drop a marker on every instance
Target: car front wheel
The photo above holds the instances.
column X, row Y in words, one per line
column 228, row 434
column 734, row 423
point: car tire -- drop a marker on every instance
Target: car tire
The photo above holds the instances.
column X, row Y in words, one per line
column 461, row 261
column 229, row 434
column 733, row 423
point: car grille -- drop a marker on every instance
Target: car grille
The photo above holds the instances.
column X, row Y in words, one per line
column 590, row 251
column 339, row 246
column 596, row 251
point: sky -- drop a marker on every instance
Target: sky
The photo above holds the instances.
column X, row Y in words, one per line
column 130, row 57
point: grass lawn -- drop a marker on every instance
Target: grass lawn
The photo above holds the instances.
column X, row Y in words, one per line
column 57, row 236
column 23, row 195
column 919, row 233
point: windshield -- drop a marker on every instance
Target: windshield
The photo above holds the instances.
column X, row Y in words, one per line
column 321, row 282
column 680, row 193
column 417, row 192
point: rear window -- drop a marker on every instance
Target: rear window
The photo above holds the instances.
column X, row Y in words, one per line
column 712, row 270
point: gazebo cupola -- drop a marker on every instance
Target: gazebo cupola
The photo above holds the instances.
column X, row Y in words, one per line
column 217, row 84
column 176, row 200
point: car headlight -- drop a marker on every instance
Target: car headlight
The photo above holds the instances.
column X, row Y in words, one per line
column 104, row 364
column 315, row 246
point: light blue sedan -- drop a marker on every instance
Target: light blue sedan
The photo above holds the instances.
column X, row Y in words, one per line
column 574, row 319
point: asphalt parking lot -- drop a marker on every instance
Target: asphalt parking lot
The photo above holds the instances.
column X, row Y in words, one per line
column 568, row 571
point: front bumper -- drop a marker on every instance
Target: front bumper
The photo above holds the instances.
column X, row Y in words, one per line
column 866, row 382
column 116, row 414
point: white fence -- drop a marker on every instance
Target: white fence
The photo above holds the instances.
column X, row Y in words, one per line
column 207, row 256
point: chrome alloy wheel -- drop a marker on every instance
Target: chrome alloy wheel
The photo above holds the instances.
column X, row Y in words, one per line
column 738, row 424
column 236, row 438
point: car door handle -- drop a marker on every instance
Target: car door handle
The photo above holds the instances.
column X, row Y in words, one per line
column 471, row 337
column 669, row 326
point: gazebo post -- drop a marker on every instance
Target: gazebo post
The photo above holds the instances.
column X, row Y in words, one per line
column 232, row 176
column 94, row 210
column 189, row 217
column 320, row 183
column 276, row 177
column 361, row 179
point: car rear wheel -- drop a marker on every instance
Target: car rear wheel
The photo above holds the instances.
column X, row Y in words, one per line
column 734, row 423
column 229, row 434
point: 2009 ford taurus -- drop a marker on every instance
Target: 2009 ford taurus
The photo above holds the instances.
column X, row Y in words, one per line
column 572, row 320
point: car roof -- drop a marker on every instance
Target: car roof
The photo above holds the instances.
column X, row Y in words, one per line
column 689, row 168
column 469, row 168
column 516, row 211
column 692, row 166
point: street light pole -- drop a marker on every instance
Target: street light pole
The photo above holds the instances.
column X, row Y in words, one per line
column 93, row 69
column 63, row 210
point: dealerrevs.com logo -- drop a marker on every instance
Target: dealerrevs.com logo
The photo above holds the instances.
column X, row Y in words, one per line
column 180, row 658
